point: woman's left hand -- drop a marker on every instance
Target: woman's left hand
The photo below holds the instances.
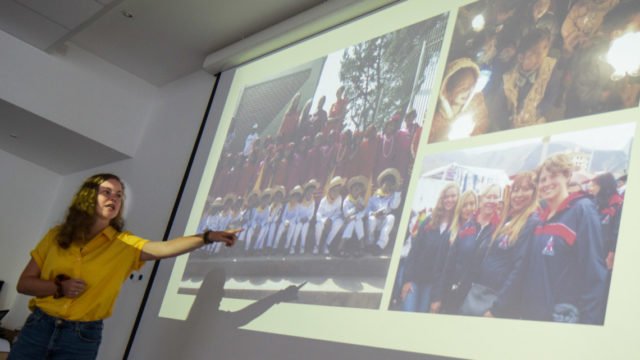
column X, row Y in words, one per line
column 72, row 288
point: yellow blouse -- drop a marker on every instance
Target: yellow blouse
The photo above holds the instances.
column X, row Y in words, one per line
column 104, row 263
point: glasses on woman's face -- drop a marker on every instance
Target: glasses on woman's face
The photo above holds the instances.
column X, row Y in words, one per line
column 110, row 193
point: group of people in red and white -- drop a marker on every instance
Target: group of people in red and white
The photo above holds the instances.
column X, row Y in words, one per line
column 542, row 250
column 317, row 180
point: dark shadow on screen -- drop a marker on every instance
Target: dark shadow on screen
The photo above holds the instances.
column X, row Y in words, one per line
column 210, row 333
column 208, row 329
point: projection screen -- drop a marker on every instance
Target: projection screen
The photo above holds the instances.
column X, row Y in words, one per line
column 444, row 178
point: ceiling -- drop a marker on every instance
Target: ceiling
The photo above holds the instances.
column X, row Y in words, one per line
column 163, row 40
column 155, row 40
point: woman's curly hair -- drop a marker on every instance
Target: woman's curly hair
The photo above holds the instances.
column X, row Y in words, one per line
column 81, row 214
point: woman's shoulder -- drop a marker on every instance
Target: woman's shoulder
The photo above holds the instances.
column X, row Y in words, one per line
column 54, row 230
column 584, row 202
column 129, row 238
column 51, row 234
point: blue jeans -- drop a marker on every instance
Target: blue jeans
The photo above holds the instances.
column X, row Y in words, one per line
column 47, row 337
column 418, row 300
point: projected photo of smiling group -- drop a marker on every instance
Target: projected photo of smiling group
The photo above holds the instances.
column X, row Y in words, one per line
column 514, row 64
column 315, row 168
column 520, row 230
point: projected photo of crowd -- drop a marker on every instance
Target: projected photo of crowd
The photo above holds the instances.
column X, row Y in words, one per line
column 315, row 168
column 522, row 230
column 518, row 63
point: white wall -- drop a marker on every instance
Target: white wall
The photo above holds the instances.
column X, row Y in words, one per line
column 27, row 195
column 157, row 127
column 77, row 90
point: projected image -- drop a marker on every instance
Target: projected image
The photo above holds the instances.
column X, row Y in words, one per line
column 520, row 230
column 315, row 167
column 514, row 64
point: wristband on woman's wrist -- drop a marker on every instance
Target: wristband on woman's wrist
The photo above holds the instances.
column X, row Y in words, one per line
column 58, row 281
column 205, row 237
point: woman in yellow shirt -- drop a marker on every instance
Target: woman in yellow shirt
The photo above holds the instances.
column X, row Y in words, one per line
column 76, row 271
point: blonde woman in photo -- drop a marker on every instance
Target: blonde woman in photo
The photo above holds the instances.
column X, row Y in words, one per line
column 501, row 260
column 428, row 251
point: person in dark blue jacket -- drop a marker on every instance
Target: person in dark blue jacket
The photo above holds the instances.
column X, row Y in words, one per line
column 603, row 188
column 455, row 280
column 429, row 248
column 501, row 260
column 462, row 216
column 565, row 277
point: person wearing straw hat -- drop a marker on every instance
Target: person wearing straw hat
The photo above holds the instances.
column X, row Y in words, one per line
column 226, row 213
column 253, row 200
column 329, row 211
column 353, row 209
column 262, row 219
column 224, row 217
column 248, row 204
column 380, row 209
column 289, row 218
column 306, row 211
column 237, row 211
column 210, row 220
column 275, row 212
column 210, row 217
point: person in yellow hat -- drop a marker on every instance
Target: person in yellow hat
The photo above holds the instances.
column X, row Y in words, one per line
column 235, row 221
column 354, row 210
column 262, row 219
column 329, row 212
column 289, row 218
column 210, row 216
column 224, row 218
column 306, row 212
column 253, row 200
column 275, row 212
column 210, row 220
column 380, row 209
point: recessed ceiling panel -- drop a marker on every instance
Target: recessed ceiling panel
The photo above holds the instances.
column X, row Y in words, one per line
column 49, row 145
column 29, row 26
column 67, row 13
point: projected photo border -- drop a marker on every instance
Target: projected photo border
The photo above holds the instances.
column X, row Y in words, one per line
column 287, row 171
